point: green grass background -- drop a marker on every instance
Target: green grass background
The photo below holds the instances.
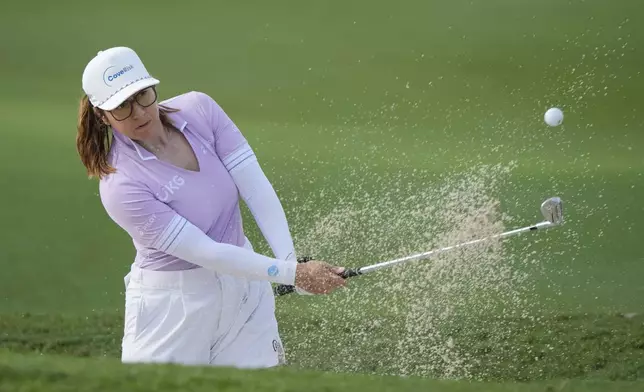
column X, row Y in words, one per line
column 333, row 93
column 58, row 373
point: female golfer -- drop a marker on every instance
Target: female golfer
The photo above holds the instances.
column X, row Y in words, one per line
column 171, row 176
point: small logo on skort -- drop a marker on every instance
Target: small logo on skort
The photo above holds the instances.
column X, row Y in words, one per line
column 111, row 74
column 277, row 347
column 273, row 270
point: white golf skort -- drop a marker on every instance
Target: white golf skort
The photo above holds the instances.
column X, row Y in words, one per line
column 197, row 317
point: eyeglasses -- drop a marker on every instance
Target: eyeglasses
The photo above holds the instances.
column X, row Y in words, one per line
column 144, row 98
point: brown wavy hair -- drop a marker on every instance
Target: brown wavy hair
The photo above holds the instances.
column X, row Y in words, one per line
column 94, row 138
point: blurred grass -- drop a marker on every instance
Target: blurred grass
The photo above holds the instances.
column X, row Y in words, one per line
column 590, row 346
column 62, row 373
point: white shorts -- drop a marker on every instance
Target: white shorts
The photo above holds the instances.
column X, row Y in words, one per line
column 197, row 317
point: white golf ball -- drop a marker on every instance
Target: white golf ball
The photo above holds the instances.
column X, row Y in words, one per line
column 554, row 117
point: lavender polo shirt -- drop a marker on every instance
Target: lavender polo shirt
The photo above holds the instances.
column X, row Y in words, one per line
column 146, row 196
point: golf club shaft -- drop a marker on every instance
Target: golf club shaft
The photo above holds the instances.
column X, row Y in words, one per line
column 426, row 255
column 349, row 273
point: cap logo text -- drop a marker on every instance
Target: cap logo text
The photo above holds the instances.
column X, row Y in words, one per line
column 110, row 75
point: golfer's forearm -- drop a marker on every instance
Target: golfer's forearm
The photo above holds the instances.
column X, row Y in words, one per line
column 194, row 246
column 262, row 201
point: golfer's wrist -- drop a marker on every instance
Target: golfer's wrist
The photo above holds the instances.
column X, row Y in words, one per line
column 289, row 272
column 279, row 271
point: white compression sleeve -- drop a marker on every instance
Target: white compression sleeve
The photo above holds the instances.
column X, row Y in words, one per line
column 261, row 199
column 194, row 246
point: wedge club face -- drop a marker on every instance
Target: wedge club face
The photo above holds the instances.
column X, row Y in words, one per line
column 552, row 210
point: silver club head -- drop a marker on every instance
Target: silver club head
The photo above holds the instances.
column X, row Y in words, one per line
column 552, row 210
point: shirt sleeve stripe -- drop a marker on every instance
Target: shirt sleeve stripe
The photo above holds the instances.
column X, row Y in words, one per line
column 175, row 241
column 166, row 232
column 239, row 159
column 249, row 158
column 176, row 220
column 175, row 233
column 236, row 155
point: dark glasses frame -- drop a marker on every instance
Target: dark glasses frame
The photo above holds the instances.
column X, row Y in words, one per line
column 136, row 98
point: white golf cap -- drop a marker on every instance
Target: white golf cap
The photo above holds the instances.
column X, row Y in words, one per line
column 113, row 76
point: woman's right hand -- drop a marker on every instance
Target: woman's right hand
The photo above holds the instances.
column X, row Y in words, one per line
column 318, row 277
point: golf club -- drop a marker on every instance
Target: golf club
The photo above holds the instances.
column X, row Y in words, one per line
column 551, row 209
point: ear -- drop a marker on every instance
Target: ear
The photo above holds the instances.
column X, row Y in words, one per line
column 102, row 117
